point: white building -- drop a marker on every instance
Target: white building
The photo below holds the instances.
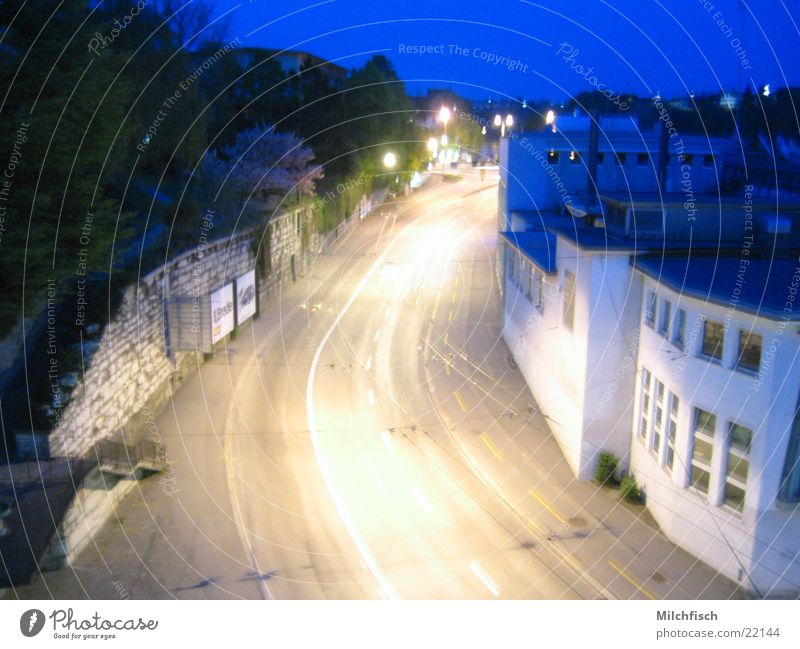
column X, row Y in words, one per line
column 544, row 172
column 716, row 442
column 615, row 336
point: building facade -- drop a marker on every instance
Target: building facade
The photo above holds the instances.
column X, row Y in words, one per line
column 662, row 327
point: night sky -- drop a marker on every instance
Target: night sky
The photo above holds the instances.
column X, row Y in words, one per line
column 634, row 46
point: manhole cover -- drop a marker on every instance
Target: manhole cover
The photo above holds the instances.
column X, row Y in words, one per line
column 577, row 521
column 658, row 578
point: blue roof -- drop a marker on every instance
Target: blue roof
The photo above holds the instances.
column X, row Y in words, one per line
column 761, row 286
column 539, row 246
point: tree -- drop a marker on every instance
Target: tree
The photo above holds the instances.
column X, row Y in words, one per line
column 264, row 162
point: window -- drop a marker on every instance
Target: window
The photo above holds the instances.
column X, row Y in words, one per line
column 679, row 331
column 569, row 298
column 643, row 159
column 531, row 281
column 540, row 291
column 658, row 417
column 574, row 158
column 552, row 157
column 713, row 339
column 666, row 311
column 708, row 161
column 672, row 429
column 749, row 351
column 601, row 158
column 790, row 479
column 645, row 404
column 650, row 309
column 525, row 281
column 702, row 449
column 688, row 159
column 620, row 158
column 512, row 266
column 739, row 439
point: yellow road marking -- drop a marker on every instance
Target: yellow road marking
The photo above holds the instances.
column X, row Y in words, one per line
column 622, row 573
column 491, row 447
column 453, row 297
column 573, row 562
column 548, row 507
column 450, row 316
column 446, row 334
column 457, row 280
column 460, row 400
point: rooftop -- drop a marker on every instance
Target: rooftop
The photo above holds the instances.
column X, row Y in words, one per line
column 761, row 286
column 539, row 246
column 712, row 199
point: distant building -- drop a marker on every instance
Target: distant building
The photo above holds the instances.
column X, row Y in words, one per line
column 663, row 328
column 548, row 171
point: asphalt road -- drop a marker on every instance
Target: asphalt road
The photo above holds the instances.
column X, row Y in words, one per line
column 382, row 445
column 369, row 437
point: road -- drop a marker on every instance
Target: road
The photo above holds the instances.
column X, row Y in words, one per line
column 384, row 446
column 368, row 437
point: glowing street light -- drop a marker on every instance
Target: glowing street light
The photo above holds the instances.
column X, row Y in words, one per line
column 444, row 115
column 503, row 123
column 444, row 140
column 433, row 145
column 550, row 119
column 389, row 160
column 766, row 92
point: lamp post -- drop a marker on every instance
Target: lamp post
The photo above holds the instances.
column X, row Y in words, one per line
column 550, row 119
column 503, row 123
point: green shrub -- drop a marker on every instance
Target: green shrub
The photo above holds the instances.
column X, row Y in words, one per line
column 629, row 489
column 606, row 468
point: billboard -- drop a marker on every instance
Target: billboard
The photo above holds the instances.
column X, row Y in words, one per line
column 221, row 312
column 245, row 296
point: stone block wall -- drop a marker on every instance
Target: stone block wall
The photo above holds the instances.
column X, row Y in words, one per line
column 130, row 373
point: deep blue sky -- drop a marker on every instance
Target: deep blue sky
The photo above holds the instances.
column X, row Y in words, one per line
column 637, row 46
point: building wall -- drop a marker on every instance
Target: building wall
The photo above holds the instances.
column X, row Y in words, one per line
column 757, row 546
column 582, row 377
column 531, row 181
column 535, row 339
column 611, row 333
column 129, row 376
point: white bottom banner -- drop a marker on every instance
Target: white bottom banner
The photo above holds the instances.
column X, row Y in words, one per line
column 482, row 625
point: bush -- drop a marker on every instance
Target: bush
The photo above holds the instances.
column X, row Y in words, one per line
column 629, row 489
column 606, row 468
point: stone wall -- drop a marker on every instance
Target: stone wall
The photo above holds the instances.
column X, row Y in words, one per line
column 129, row 376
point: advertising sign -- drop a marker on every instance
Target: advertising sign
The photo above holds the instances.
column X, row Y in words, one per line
column 245, row 297
column 221, row 312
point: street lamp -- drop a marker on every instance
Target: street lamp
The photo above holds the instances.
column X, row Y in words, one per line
column 432, row 146
column 444, row 140
column 550, row 119
column 503, row 123
column 389, row 160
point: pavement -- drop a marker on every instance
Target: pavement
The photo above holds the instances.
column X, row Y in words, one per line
column 369, row 437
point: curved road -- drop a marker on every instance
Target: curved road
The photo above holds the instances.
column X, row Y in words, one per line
column 382, row 445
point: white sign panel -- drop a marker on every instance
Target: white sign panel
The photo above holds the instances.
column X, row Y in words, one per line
column 245, row 297
column 221, row 312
